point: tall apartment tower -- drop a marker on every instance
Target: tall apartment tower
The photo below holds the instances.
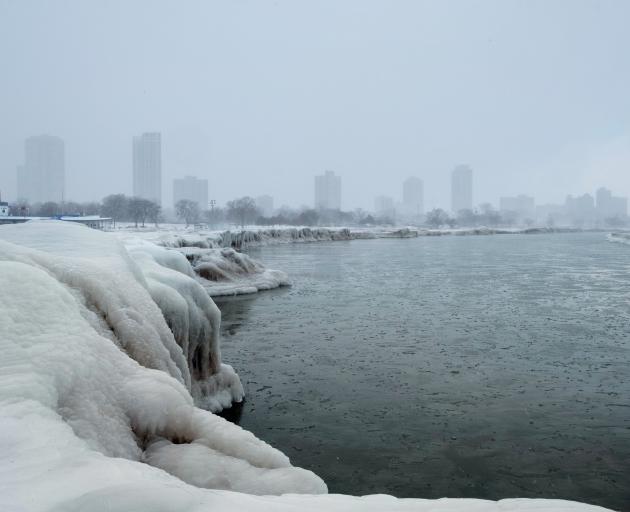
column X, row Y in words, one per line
column 147, row 167
column 42, row 177
column 461, row 188
column 413, row 196
column 192, row 189
column 328, row 191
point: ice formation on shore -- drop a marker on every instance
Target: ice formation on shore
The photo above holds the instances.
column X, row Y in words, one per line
column 87, row 344
column 175, row 237
column 95, row 406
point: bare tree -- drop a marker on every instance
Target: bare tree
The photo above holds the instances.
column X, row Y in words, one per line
column 115, row 206
column 153, row 212
column 21, row 208
column 141, row 209
column 437, row 217
column 48, row 209
column 214, row 216
column 187, row 210
column 242, row 211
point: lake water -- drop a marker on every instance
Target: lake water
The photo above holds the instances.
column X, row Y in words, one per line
column 481, row 366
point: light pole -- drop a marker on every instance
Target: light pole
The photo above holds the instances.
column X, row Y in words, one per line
column 212, row 205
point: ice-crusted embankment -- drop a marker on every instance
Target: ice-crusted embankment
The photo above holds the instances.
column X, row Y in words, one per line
column 249, row 238
column 222, row 269
column 96, row 412
column 111, row 343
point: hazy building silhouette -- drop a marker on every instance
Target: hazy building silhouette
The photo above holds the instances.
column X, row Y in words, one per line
column 522, row 206
column 609, row 206
column 192, row 189
column 384, row 206
column 42, row 177
column 461, row 188
column 147, row 167
column 265, row 205
column 328, row 191
column 580, row 209
column 413, row 196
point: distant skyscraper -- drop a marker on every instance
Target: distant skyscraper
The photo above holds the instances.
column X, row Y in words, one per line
column 42, row 178
column 580, row 209
column 609, row 206
column 192, row 189
column 413, row 196
column 461, row 188
column 383, row 205
column 522, row 206
column 328, row 191
column 147, row 167
column 265, row 205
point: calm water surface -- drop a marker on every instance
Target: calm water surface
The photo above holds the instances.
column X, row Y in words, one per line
column 484, row 366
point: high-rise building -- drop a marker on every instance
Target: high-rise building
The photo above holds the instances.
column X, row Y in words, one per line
column 192, row 189
column 609, row 206
column 521, row 205
column 42, row 178
column 413, row 196
column 580, row 209
column 265, row 205
column 384, row 205
column 461, row 188
column 147, row 167
column 328, row 191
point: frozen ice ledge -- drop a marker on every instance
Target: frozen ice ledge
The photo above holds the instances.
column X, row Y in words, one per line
column 219, row 266
column 107, row 353
column 222, row 269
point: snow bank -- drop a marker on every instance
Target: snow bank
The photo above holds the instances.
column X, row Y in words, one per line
column 95, row 408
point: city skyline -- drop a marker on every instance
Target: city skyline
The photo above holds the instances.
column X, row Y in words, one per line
column 45, row 157
column 400, row 109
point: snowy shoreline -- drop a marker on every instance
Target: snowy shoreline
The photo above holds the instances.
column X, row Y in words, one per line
column 108, row 351
column 178, row 236
column 223, row 270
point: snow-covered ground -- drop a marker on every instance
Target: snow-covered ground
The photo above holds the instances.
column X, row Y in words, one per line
column 107, row 350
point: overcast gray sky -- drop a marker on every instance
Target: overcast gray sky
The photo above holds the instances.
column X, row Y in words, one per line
column 259, row 96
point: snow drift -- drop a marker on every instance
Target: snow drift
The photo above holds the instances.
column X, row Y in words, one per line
column 96, row 411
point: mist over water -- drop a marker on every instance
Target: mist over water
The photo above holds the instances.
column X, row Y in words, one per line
column 485, row 367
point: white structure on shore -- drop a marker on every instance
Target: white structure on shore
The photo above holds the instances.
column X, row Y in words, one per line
column 413, row 196
column 42, row 178
column 147, row 167
column 461, row 188
column 192, row 189
column 328, row 191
